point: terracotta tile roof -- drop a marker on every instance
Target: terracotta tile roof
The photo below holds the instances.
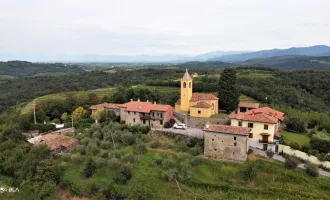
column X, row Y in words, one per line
column 268, row 111
column 202, row 96
column 261, row 117
column 145, row 107
column 186, row 76
column 202, row 104
column 106, row 105
column 248, row 105
column 235, row 130
column 53, row 140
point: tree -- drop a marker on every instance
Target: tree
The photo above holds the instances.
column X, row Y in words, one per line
column 228, row 92
column 64, row 116
column 97, row 114
column 80, row 112
column 291, row 162
column 270, row 153
column 89, row 168
column 139, row 92
column 295, row 124
column 24, row 122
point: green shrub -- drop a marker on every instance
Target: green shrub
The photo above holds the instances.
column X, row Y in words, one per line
column 270, row 153
column 311, row 169
column 100, row 162
column 115, row 154
column 157, row 161
column 92, row 148
column 183, row 156
column 123, row 176
column 89, row 168
column 196, row 150
column 155, row 144
column 66, row 157
column 85, row 141
column 182, row 146
column 114, row 163
column 104, row 154
column 295, row 124
column 43, row 127
column 168, row 163
column 56, row 121
column 320, row 144
column 106, row 144
column 294, row 145
column 170, row 174
column 129, row 157
column 127, row 138
column 196, row 161
column 291, row 162
column 77, row 158
column 141, row 148
column 184, row 171
column 250, row 172
column 81, row 149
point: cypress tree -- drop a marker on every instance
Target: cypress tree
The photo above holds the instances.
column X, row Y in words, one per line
column 89, row 168
column 228, row 92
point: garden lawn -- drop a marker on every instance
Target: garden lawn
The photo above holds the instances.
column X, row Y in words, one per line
column 301, row 138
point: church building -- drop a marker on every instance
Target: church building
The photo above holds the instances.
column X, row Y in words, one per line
column 196, row 104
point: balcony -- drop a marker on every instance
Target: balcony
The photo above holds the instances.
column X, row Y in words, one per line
column 267, row 142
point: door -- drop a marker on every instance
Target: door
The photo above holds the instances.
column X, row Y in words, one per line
column 265, row 147
column 265, row 138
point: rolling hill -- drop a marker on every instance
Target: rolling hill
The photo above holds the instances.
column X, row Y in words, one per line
column 292, row 62
column 318, row 50
column 23, row 69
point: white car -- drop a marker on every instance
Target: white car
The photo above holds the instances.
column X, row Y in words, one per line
column 179, row 126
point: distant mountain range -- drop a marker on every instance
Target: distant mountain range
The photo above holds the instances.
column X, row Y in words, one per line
column 224, row 56
column 318, row 50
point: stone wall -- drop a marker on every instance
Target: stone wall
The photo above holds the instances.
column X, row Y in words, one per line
column 302, row 155
column 198, row 122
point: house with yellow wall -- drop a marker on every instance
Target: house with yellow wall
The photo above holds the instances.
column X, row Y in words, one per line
column 196, row 104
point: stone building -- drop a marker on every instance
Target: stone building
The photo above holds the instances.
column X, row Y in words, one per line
column 58, row 144
column 108, row 106
column 195, row 104
column 246, row 106
column 227, row 143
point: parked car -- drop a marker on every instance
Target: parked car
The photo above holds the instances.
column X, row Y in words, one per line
column 179, row 126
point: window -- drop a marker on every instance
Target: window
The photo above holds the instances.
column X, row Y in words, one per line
column 128, row 112
column 144, row 121
column 190, row 85
column 161, row 115
column 251, row 135
column 240, row 123
column 266, row 126
column 161, row 122
column 250, row 125
column 212, row 106
column 234, row 138
column 184, row 84
column 134, row 113
column 133, row 119
column 199, row 112
column 235, row 144
column 212, row 139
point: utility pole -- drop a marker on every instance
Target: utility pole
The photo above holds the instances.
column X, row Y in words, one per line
column 34, row 113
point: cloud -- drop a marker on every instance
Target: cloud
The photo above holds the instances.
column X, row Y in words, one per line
column 129, row 27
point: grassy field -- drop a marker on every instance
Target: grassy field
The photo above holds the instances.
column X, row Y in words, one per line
column 290, row 137
column 208, row 180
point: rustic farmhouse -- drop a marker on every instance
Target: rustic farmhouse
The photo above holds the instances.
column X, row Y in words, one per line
column 58, row 143
column 228, row 143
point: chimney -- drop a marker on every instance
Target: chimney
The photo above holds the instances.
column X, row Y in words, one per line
column 138, row 99
column 131, row 100
column 207, row 125
column 154, row 102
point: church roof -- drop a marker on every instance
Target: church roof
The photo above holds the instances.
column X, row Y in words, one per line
column 202, row 104
column 202, row 96
column 199, row 97
column 186, row 76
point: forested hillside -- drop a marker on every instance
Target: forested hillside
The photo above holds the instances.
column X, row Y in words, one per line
column 292, row 62
column 22, row 69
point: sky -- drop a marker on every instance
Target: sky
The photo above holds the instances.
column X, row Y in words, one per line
column 156, row 27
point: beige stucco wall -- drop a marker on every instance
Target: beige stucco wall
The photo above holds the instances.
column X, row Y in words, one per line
column 257, row 129
column 205, row 112
column 134, row 118
column 302, row 155
column 222, row 146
